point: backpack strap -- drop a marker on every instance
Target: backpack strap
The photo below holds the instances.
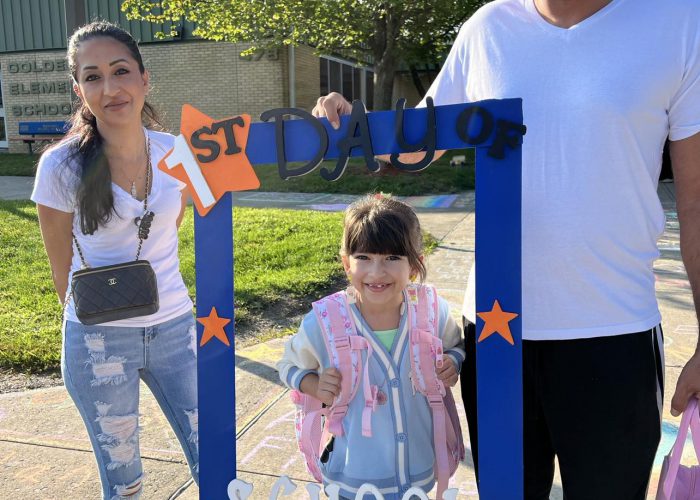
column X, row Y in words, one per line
column 426, row 355
column 343, row 345
column 426, row 345
column 310, row 433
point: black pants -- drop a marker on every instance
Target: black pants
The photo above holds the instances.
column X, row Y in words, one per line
column 594, row 403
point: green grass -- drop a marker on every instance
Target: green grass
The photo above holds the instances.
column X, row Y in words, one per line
column 283, row 260
column 438, row 178
column 280, row 255
column 18, row 164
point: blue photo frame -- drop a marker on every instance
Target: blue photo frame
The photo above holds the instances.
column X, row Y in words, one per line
column 494, row 128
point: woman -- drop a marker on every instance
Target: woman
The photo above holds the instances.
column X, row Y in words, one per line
column 91, row 188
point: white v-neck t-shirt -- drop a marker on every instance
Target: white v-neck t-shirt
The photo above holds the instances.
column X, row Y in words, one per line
column 599, row 100
column 56, row 186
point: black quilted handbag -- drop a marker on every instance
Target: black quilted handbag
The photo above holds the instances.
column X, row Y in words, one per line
column 118, row 291
column 111, row 293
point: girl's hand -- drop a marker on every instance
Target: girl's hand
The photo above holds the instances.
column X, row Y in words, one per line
column 328, row 386
column 448, row 373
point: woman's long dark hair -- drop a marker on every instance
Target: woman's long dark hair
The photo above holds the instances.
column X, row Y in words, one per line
column 94, row 196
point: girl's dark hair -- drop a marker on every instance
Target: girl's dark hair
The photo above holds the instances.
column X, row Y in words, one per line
column 94, row 196
column 383, row 225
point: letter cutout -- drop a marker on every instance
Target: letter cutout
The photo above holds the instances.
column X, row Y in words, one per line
column 182, row 155
column 239, row 490
column 314, row 491
column 199, row 143
column 466, row 125
column 333, row 492
column 231, row 146
column 428, row 141
column 504, row 138
column 278, row 115
column 287, row 486
column 450, row 494
column 414, row 491
column 368, row 488
column 358, row 119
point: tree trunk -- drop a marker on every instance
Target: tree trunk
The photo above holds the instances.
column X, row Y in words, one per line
column 386, row 59
column 417, row 82
column 384, row 86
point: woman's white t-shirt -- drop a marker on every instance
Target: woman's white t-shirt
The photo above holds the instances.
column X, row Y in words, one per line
column 56, row 187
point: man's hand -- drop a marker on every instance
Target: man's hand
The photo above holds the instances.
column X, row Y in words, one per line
column 448, row 373
column 332, row 106
column 688, row 385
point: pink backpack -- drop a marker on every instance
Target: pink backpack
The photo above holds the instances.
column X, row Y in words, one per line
column 678, row 482
column 314, row 423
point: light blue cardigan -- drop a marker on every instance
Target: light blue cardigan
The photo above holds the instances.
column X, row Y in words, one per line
column 399, row 454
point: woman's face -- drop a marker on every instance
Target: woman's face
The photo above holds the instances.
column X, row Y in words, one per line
column 110, row 83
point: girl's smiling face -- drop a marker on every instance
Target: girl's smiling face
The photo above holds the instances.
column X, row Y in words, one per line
column 110, row 82
column 378, row 278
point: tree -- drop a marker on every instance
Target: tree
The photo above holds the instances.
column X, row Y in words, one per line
column 381, row 32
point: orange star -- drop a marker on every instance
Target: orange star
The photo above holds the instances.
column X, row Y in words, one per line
column 214, row 327
column 496, row 321
column 210, row 157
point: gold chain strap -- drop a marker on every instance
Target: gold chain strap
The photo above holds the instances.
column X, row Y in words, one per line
column 145, row 211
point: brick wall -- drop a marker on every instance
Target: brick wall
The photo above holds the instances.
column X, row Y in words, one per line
column 215, row 79
column 35, row 86
column 210, row 76
column 307, row 78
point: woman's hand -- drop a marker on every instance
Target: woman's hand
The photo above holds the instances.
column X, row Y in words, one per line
column 448, row 373
column 56, row 230
column 185, row 198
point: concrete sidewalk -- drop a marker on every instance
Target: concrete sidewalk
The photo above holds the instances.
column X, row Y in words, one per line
column 45, row 453
column 20, row 188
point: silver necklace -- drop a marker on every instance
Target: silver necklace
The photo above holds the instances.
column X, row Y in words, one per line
column 133, row 191
column 134, row 194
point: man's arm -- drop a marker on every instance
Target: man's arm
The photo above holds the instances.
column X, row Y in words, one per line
column 685, row 158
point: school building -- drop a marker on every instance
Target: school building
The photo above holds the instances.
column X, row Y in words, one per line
column 35, row 85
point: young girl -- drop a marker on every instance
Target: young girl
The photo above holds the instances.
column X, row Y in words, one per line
column 89, row 190
column 381, row 252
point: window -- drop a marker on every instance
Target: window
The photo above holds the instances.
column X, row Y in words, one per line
column 369, row 89
column 347, row 79
column 325, row 89
column 3, row 130
column 335, row 81
column 347, row 82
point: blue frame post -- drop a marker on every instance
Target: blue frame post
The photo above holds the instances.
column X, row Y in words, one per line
column 498, row 363
column 213, row 244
